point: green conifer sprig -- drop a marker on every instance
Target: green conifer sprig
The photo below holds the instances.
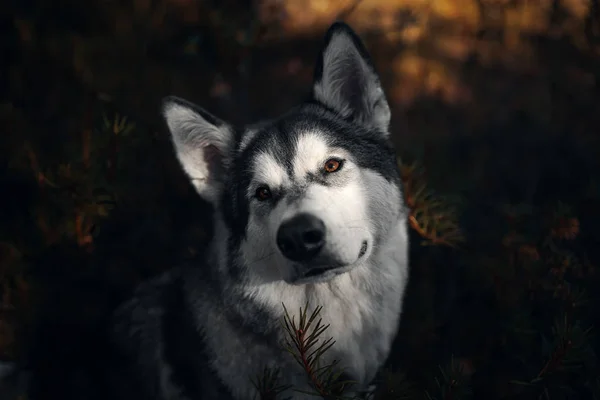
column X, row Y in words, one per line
column 267, row 384
column 451, row 384
column 305, row 344
column 570, row 348
column 567, row 354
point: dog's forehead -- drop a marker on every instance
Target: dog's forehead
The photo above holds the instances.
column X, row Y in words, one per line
column 278, row 157
column 311, row 150
column 268, row 169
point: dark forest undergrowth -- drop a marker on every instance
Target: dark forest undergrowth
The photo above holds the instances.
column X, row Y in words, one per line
column 503, row 184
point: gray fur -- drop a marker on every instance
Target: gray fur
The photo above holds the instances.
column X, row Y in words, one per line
column 204, row 331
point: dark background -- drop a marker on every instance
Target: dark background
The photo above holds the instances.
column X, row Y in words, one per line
column 496, row 120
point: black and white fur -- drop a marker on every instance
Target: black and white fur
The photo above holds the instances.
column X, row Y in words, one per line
column 204, row 331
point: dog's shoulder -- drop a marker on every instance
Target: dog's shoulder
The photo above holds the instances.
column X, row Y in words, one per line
column 137, row 330
column 155, row 331
column 138, row 321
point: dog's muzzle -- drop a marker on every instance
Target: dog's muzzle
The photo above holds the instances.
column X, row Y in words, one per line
column 301, row 239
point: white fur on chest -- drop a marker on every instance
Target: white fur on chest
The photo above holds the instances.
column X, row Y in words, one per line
column 362, row 307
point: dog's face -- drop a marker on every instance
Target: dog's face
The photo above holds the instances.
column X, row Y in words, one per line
column 308, row 196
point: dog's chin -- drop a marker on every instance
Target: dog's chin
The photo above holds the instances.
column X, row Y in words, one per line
column 321, row 274
column 326, row 270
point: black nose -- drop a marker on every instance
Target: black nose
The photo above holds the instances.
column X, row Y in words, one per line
column 301, row 237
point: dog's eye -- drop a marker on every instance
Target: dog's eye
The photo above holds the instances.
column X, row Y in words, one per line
column 333, row 165
column 263, row 193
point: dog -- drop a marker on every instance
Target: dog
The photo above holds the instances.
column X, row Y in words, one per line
column 308, row 209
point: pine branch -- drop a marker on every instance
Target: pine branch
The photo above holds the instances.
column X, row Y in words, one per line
column 81, row 186
column 305, row 344
column 431, row 216
column 568, row 352
column 267, row 384
column 452, row 383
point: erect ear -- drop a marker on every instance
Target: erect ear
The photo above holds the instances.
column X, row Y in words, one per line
column 202, row 144
column 346, row 81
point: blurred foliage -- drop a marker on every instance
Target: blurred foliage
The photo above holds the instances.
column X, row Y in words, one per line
column 496, row 113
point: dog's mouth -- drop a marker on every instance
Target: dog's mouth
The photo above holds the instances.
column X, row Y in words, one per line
column 335, row 270
column 319, row 271
column 363, row 249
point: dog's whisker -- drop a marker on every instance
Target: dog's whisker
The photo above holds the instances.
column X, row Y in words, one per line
column 262, row 258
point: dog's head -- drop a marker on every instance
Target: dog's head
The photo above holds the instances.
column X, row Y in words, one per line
column 311, row 194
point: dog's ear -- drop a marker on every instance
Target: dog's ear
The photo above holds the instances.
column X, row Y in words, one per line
column 346, row 81
column 202, row 143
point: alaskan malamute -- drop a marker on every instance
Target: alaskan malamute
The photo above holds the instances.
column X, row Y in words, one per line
column 308, row 209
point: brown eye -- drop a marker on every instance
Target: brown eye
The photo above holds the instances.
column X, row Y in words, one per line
column 263, row 193
column 332, row 165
